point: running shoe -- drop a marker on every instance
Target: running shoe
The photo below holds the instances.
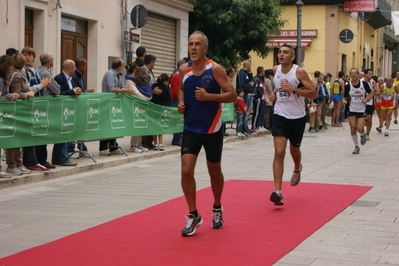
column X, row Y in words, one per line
column 192, row 223
column 386, row 133
column 363, row 139
column 367, row 137
column 217, row 221
column 356, row 150
column 277, row 198
column 395, row 121
column 296, row 176
column 378, row 129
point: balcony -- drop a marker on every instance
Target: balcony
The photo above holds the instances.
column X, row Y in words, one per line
column 382, row 15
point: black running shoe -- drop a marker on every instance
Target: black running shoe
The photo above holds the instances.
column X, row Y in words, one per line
column 378, row 129
column 217, row 221
column 191, row 224
column 277, row 198
column 363, row 139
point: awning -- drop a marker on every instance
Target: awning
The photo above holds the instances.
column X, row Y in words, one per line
column 278, row 41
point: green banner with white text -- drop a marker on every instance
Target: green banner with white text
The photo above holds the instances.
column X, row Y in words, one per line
column 89, row 116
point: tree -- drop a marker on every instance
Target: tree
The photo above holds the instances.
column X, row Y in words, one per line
column 236, row 27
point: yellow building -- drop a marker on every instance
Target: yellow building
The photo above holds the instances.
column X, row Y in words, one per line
column 333, row 38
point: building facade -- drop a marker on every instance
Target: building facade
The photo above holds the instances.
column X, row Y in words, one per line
column 97, row 30
column 337, row 36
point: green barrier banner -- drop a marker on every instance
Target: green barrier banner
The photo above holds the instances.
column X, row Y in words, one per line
column 89, row 116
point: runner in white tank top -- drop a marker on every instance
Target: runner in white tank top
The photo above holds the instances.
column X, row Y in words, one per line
column 292, row 87
column 357, row 90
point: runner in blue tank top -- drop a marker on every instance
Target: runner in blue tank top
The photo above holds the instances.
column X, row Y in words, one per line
column 200, row 100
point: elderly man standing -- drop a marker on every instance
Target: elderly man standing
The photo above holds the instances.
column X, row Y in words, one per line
column 64, row 79
column 47, row 62
column 113, row 81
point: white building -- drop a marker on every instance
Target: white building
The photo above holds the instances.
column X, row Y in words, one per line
column 95, row 29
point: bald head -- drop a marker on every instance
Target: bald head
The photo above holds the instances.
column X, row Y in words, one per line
column 68, row 66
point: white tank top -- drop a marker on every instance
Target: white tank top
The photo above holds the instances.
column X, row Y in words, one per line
column 357, row 95
column 288, row 105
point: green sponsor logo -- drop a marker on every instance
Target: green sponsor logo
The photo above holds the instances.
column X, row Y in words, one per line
column 40, row 121
column 7, row 121
column 68, row 116
column 165, row 118
column 140, row 115
column 117, row 119
column 93, row 114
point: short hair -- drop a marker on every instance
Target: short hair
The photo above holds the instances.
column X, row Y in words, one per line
column 317, row 74
column 116, row 63
column 28, row 50
column 162, row 78
column 19, row 60
column 259, row 69
column 45, row 58
column 149, row 58
column 269, row 72
column 354, row 68
column 290, row 47
column 239, row 90
column 203, row 35
column 229, row 70
column 367, row 71
column 180, row 62
column 341, row 74
column 140, row 51
column 80, row 61
column 11, row 51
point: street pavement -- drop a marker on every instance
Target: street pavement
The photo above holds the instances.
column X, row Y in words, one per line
column 39, row 208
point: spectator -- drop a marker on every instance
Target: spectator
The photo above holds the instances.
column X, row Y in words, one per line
column 113, row 81
column 64, row 79
column 241, row 114
column 246, row 81
column 135, row 81
column 140, row 53
column 161, row 99
column 259, row 102
column 174, row 88
column 6, row 68
column 36, row 85
column 149, row 64
column 17, row 85
column 269, row 88
column 47, row 62
column 79, row 80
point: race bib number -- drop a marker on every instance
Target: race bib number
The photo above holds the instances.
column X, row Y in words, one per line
column 387, row 96
column 284, row 95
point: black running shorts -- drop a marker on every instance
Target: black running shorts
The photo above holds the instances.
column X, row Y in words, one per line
column 292, row 129
column 213, row 144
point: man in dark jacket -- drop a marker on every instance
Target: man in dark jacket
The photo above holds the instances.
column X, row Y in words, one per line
column 246, row 81
column 67, row 87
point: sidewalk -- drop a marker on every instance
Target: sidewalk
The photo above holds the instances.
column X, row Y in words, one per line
column 102, row 162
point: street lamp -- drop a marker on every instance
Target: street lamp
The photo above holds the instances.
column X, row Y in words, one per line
column 299, row 5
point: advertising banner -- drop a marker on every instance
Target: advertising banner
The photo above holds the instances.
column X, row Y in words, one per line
column 89, row 116
column 359, row 6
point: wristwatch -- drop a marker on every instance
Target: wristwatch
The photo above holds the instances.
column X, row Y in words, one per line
column 294, row 90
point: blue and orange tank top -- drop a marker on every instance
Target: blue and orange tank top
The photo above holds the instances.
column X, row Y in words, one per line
column 201, row 117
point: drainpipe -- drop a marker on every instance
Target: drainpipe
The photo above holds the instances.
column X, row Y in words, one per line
column 124, row 28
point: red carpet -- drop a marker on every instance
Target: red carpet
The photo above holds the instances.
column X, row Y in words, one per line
column 256, row 232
